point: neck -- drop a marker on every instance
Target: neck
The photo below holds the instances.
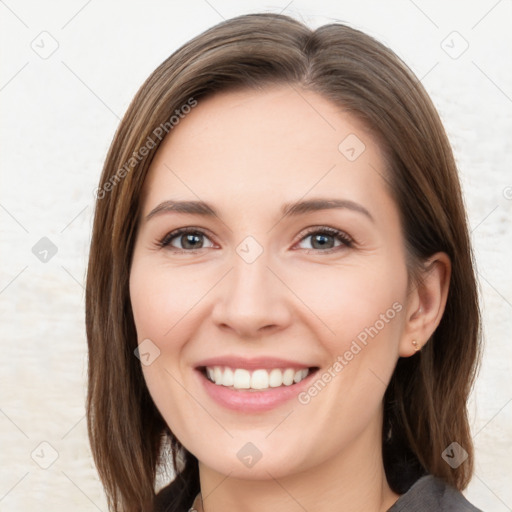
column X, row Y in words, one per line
column 352, row 480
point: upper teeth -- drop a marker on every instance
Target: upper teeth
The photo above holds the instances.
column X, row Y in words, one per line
column 241, row 378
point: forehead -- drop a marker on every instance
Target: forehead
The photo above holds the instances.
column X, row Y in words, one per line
column 282, row 142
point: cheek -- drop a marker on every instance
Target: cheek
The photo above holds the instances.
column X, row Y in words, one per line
column 162, row 303
column 161, row 298
column 354, row 302
column 361, row 311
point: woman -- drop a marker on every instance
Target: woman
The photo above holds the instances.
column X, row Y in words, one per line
column 280, row 294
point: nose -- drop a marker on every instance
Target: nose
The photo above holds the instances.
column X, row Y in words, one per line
column 252, row 300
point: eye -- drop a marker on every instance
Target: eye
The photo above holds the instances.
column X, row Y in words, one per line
column 190, row 239
column 324, row 239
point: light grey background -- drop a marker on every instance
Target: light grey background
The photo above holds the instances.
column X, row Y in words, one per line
column 59, row 113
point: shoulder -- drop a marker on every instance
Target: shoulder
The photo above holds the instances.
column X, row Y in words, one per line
column 431, row 493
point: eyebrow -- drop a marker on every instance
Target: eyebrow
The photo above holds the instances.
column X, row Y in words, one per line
column 288, row 209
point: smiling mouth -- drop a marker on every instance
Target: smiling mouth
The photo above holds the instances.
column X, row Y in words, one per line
column 255, row 380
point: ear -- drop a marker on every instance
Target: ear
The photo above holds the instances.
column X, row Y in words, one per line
column 426, row 303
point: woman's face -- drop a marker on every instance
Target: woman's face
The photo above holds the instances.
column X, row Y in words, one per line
column 255, row 299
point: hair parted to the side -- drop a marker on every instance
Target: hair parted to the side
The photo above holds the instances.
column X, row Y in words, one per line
column 425, row 403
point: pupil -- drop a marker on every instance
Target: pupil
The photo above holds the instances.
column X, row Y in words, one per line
column 319, row 238
column 190, row 237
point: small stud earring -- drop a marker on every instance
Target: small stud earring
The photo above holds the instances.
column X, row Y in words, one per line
column 416, row 346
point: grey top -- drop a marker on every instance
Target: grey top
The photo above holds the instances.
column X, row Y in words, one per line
column 430, row 494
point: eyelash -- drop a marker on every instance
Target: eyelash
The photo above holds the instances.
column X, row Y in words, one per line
column 339, row 235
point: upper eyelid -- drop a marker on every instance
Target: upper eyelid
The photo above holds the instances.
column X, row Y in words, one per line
column 182, row 231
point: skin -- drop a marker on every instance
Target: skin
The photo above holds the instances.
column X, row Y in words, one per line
column 246, row 153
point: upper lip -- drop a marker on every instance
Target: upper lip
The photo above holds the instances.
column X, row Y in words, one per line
column 252, row 363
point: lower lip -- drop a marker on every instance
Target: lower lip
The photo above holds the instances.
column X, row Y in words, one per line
column 243, row 400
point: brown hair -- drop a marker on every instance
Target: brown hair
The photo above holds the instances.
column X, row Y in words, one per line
column 425, row 403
